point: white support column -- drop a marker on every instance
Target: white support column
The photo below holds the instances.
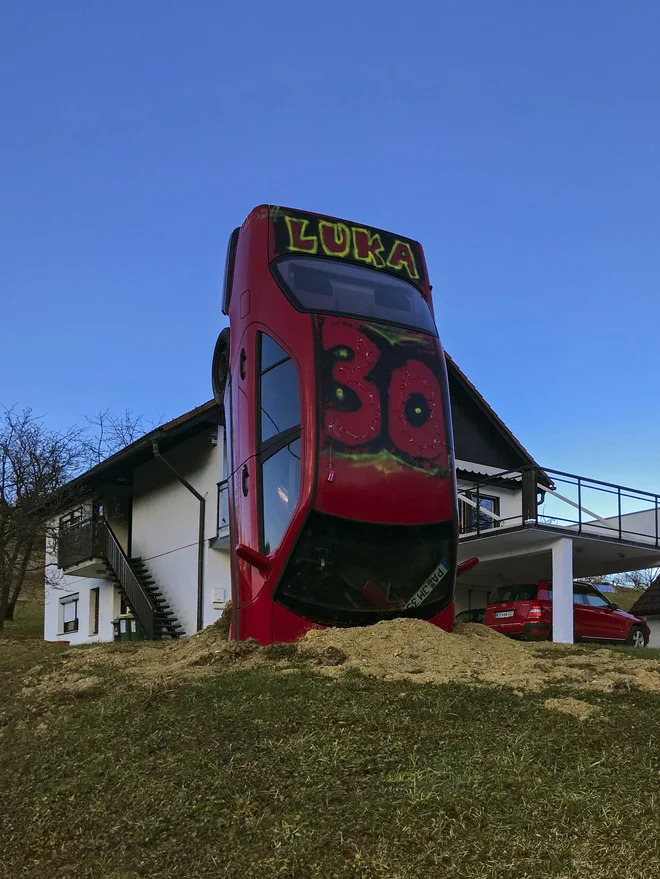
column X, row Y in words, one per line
column 562, row 590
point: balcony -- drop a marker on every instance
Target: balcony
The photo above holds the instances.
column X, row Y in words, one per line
column 90, row 549
column 511, row 519
column 82, row 548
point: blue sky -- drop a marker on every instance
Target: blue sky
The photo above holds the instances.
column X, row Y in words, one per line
column 517, row 141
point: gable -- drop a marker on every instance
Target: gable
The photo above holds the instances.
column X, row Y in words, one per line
column 479, row 435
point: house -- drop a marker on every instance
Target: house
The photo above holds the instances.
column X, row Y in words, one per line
column 648, row 607
column 147, row 529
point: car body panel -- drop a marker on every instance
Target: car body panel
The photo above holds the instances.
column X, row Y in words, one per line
column 525, row 611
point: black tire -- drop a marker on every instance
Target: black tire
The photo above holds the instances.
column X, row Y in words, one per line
column 637, row 637
column 220, row 367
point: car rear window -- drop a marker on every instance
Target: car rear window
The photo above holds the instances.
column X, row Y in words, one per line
column 526, row 592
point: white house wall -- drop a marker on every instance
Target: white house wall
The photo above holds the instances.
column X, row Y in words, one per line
column 470, row 597
column 61, row 586
column 164, row 531
column 165, row 527
column 654, row 627
column 640, row 526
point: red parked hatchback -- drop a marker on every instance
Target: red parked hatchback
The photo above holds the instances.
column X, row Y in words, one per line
column 524, row 611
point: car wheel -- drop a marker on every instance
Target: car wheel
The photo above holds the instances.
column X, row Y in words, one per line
column 220, row 366
column 636, row 637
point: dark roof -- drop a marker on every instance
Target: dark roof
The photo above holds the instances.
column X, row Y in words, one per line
column 649, row 601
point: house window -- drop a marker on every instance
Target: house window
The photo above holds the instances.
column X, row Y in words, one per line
column 279, row 447
column 94, row 611
column 69, row 614
column 481, row 519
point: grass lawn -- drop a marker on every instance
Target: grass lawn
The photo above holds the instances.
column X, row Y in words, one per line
column 28, row 621
column 257, row 773
column 625, row 598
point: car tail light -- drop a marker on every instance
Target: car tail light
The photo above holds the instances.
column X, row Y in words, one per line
column 535, row 612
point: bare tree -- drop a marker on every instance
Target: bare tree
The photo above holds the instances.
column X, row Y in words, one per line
column 36, row 467
column 635, row 579
column 107, row 433
column 35, row 463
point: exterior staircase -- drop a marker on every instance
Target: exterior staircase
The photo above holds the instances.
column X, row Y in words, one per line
column 164, row 623
column 95, row 539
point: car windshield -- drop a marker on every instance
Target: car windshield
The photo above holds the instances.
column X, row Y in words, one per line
column 324, row 285
column 526, row 592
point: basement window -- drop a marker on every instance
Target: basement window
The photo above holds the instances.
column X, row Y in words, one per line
column 69, row 614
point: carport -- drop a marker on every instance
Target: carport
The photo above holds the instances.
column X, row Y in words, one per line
column 543, row 542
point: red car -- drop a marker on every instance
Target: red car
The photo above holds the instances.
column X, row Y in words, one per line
column 524, row 611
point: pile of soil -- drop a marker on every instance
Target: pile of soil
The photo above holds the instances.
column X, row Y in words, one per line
column 402, row 649
column 418, row 651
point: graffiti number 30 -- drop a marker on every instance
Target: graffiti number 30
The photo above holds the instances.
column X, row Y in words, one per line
column 409, row 394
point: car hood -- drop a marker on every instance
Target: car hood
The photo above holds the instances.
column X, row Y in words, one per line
column 630, row 616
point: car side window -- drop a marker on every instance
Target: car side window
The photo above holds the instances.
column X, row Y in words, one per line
column 597, row 601
column 580, row 598
column 279, row 450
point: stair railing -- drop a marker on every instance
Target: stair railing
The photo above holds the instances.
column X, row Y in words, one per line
column 128, row 580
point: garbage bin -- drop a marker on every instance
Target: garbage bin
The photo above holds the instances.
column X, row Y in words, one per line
column 127, row 628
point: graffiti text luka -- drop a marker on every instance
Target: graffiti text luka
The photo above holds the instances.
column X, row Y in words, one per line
column 319, row 236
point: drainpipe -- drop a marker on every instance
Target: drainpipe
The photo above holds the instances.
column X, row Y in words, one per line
column 200, row 540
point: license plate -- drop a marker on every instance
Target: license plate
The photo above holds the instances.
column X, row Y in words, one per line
column 429, row 585
column 503, row 614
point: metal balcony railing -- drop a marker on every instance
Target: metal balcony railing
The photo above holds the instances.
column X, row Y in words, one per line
column 555, row 500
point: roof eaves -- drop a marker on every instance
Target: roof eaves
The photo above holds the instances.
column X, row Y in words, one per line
column 123, row 457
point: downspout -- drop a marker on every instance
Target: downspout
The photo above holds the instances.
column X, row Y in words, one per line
column 200, row 540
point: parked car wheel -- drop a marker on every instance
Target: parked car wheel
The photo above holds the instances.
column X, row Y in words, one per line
column 636, row 637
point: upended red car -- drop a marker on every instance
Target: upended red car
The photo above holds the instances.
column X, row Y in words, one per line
column 524, row 611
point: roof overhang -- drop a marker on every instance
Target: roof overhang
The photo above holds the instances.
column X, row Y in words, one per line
column 515, row 555
column 119, row 468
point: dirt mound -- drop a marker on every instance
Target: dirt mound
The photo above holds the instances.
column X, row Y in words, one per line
column 415, row 649
column 472, row 653
column 402, row 649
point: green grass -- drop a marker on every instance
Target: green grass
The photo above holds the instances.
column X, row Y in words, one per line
column 625, row 598
column 253, row 773
column 550, row 652
column 28, row 621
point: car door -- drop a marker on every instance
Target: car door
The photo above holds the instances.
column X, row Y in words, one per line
column 604, row 621
column 582, row 621
column 597, row 620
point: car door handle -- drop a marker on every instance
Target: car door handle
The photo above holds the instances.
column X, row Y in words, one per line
column 245, row 480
